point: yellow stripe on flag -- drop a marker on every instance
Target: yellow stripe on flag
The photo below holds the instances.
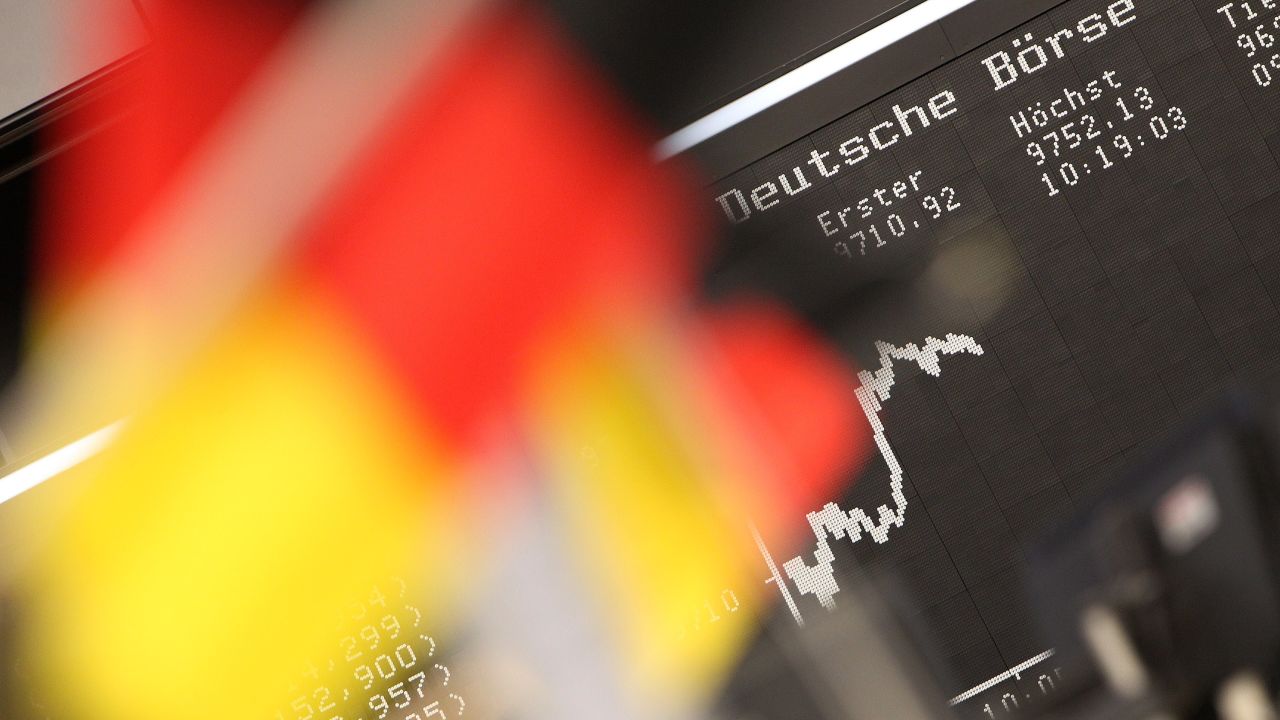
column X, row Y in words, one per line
column 229, row 529
column 636, row 470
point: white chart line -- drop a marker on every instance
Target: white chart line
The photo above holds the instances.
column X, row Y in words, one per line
column 807, row 75
column 1012, row 672
column 873, row 391
column 56, row 462
column 776, row 578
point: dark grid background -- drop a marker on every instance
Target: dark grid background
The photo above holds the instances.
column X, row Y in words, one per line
column 1127, row 302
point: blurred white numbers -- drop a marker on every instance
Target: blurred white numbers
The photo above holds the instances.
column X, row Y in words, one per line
column 713, row 610
column 379, row 670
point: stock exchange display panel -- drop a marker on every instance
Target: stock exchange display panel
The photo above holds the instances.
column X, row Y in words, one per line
column 1059, row 244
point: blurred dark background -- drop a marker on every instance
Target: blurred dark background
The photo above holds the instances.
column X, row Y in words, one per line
column 679, row 60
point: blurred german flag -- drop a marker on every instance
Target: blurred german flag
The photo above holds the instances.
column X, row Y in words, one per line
column 335, row 266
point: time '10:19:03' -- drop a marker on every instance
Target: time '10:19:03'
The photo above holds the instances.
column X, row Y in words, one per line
column 1161, row 128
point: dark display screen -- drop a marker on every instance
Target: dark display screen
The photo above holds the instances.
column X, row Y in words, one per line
column 1076, row 223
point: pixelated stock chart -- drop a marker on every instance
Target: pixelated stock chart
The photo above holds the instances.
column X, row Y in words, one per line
column 1052, row 251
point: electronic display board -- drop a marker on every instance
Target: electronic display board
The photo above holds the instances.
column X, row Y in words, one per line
column 1075, row 222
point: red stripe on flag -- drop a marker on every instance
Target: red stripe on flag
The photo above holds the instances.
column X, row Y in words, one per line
column 510, row 195
column 140, row 133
